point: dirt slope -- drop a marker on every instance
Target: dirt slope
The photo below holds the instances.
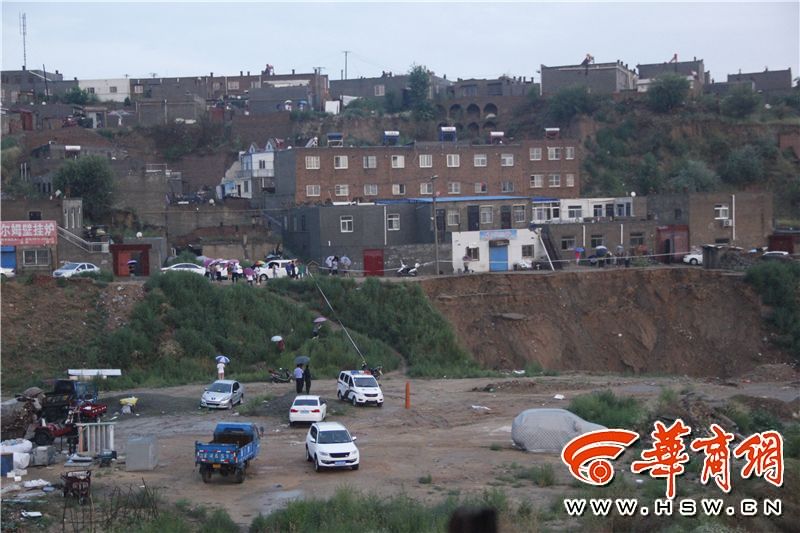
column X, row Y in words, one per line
column 668, row 320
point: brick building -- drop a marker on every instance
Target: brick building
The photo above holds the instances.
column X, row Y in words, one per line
column 693, row 70
column 600, row 78
column 767, row 81
column 387, row 84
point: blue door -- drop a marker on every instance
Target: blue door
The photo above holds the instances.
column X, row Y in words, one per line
column 498, row 259
column 9, row 256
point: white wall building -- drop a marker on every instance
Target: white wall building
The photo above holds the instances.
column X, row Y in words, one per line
column 255, row 169
column 496, row 250
column 108, row 90
column 570, row 210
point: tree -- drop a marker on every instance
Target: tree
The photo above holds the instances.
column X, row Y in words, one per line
column 743, row 166
column 667, row 92
column 419, row 83
column 79, row 96
column 692, row 176
column 89, row 178
column 740, row 103
column 570, row 102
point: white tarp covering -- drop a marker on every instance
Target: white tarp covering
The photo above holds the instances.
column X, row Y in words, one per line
column 548, row 430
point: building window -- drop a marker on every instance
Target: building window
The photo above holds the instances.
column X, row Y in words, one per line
column 453, row 217
column 469, row 90
column 425, row 161
column 721, row 212
column 380, row 90
column 637, row 239
column 453, row 160
column 481, row 187
column 312, row 190
column 569, row 152
column 474, row 253
column 255, row 84
column 312, row 162
column 399, row 189
column 486, row 214
column 38, row 257
column 112, row 89
column 567, row 242
column 341, row 190
column 598, row 211
column 570, row 180
column 454, row 187
column 536, row 154
column 398, row 161
column 393, row 222
column 138, row 89
column 480, row 160
column 340, row 162
column 507, row 186
column 554, row 180
column 597, row 240
column 518, row 213
column 506, row 160
column 34, row 215
column 370, row 189
column 553, row 153
column 574, row 211
column 537, row 181
column 426, row 188
column 370, row 161
column 246, row 186
column 527, row 250
column 216, row 86
column 678, row 214
column 233, row 85
column 346, row 224
column 91, row 90
column 262, row 164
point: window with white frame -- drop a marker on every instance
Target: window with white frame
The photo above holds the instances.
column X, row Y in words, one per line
column 246, row 186
column 554, row 180
column 597, row 240
column 233, row 85
column 453, row 160
column 569, row 152
column 537, row 181
column 553, row 153
column 370, row 189
column 138, row 89
column 486, row 214
column 570, row 178
column 568, row 242
column 370, row 161
column 380, row 90
column 453, row 217
column 426, row 188
column 425, row 160
column 574, row 211
column 341, row 190
column 340, row 162
column 536, row 154
column 398, row 189
column 312, row 190
column 507, row 186
column 453, row 187
column 636, row 239
column 721, row 212
column 112, row 89
column 398, row 161
column 393, row 222
column 597, row 211
column 518, row 213
column 262, row 164
column 506, row 160
column 474, row 253
column 480, row 160
column 36, row 257
column 528, row 250
column 312, row 162
column 91, row 90
column 346, row 224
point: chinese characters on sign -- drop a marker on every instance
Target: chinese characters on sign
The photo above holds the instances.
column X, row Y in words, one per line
column 28, row 233
column 588, row 456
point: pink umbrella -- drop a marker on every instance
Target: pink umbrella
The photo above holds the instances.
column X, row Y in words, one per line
column 248, row 271
column 320, row 320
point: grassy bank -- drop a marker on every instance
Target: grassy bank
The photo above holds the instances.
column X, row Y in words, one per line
column 778, row 283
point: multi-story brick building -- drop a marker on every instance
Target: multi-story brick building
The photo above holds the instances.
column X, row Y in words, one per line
column 691, row 70
column 601, row 78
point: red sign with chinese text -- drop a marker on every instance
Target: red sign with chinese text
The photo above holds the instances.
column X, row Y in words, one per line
column 28, row 233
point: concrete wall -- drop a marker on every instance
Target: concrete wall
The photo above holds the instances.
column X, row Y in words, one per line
column 182, row 219
column 145, row 193
column 113, row 90
column 251, row 251
column 603, row 79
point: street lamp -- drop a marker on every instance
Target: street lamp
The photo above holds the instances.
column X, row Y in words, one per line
column 432, row 179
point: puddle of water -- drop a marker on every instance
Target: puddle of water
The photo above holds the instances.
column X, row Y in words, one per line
column 272, row 501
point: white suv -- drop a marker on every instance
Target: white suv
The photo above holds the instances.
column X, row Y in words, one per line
column 330, row 445
column 265, row 272
column 358, row 387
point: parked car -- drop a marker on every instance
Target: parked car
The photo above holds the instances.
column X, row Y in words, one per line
column 694, row 258
column 776, row 256
column 222, row 394
column 230, row 451
column 265, row 272
column 330, row 445
column 68, row 270
column 358, row 387
column 185, row 267
column 7, row 272
column 307, row 409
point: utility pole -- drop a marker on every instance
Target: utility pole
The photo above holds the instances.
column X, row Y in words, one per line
column 432, row 179
column 23, row 29
column 345, row 52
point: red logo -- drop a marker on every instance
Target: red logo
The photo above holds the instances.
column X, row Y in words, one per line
column 589, row 456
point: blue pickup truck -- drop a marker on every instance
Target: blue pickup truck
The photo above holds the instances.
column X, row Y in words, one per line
column 231, row 451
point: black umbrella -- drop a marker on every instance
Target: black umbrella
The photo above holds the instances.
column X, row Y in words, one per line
column 302, row 360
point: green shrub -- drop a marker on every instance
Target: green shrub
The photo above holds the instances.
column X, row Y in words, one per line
column 778, row 283
column 425, row 480
column 103, row 275
column 543, row 476
column 607, row 409
column 667, row 92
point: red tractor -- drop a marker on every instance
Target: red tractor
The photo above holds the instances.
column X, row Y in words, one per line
column 47, row 433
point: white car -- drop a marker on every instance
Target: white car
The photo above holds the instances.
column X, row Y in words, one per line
column 694, row 258
column 358, row 387
column 7, row 272
column 185, row 267
column 307, row 409
column 222, row 394
column 265, row 272
column 68, row 270
column 776, row 255
column 330, row 445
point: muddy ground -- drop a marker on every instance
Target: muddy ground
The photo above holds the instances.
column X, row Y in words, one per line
column 465, row 450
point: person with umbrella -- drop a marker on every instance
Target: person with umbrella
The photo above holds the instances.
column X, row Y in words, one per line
column 317, row 326
column 305, row 373
column 299, row 378
column 345, row 262
column 221, row 362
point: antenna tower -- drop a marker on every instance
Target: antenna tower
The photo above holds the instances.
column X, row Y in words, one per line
column 23, row 29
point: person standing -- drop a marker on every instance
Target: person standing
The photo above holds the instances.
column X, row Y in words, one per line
column 298, row 379
column 307, row 378
column 220, row 370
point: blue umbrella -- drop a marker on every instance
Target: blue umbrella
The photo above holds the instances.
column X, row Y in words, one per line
column 580, row 249
column 222, row 359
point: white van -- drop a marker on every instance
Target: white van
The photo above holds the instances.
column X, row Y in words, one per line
column 263, row 273
column 359, row 387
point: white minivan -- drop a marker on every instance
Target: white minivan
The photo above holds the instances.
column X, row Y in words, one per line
column 359, row 387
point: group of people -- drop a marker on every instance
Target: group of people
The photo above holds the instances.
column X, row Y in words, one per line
column 302, row 377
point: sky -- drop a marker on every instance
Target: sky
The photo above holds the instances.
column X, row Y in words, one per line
column 458, row 39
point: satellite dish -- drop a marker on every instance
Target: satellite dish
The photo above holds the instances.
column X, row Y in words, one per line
column 138, row 234
column 211, row 201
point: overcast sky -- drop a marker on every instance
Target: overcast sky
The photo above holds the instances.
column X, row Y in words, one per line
column 457, row 39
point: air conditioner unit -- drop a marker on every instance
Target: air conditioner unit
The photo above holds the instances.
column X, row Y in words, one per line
column 727, row 223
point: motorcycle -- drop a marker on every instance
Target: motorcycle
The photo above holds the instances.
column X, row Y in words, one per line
column 376, row 372
column 280, row 376
column 406, row 270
